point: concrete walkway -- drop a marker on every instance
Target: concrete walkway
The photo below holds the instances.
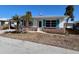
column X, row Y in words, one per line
column 13, row 46
column 7, row 30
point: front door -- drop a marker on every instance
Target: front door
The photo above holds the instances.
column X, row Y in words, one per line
column 40, row 24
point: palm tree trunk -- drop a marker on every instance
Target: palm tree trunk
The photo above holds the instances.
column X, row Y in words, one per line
column 9, row 24
column 27, row 23
column 65, row 25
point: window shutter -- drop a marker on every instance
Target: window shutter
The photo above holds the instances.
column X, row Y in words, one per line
column 43, row 22
column 57, row 23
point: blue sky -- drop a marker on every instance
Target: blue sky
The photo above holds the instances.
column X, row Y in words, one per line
column 7, row 11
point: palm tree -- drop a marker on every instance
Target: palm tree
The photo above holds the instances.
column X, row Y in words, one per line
column 69, row 14
column 23, row 18
column 28, row 17
column 16, row 19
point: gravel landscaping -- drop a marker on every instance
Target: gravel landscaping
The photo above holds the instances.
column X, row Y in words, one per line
column 59, row 40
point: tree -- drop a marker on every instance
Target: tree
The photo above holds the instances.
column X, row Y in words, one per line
column 16, row 19
column 28, row 17
column 23, row 18
column 69, row 14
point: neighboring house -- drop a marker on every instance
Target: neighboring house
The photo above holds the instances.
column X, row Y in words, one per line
column 3, row 21
column 74, row 28
column 6, row 23
column 76, row 25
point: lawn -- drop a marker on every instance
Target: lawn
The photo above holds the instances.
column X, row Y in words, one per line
column 59, row 40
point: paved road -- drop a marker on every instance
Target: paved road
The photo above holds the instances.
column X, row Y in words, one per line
column 13, row 46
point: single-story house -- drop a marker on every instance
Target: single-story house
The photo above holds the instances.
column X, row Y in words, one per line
column 49, row 23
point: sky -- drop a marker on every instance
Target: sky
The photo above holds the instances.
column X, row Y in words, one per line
column 7, row 11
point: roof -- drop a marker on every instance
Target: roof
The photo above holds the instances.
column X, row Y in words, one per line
column 48, row 17
column 4, row 19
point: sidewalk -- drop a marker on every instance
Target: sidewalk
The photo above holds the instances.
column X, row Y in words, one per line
column 8, row 45
column 7, row 30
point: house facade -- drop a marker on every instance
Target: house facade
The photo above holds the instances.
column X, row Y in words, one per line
column 48, row 22
column 3, row 21
column 6, row 23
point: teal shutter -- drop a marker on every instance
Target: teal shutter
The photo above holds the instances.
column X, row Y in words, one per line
column 57, row 23
column 44, row 22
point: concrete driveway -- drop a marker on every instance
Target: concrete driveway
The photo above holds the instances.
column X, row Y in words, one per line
column 13, row 46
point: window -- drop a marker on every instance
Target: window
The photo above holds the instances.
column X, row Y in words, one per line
column 53, row 23
column 50, row 23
